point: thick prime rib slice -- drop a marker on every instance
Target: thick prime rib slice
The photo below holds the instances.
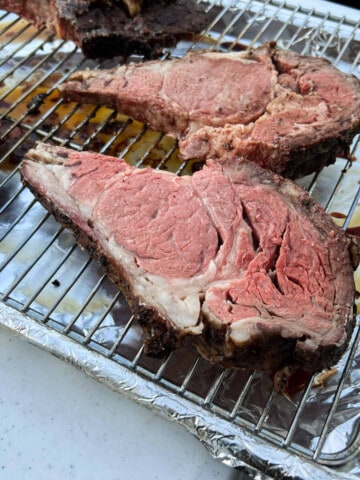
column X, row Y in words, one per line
column 290, row 113
column 105, row 28
column 241, row 259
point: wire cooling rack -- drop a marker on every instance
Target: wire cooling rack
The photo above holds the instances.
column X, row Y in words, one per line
column 55, row 296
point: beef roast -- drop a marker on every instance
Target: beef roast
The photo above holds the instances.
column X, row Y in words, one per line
column 105, row 28
column 290, row 113
column 244, row 261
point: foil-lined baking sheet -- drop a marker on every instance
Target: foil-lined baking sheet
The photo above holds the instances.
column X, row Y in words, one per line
column 54, row 296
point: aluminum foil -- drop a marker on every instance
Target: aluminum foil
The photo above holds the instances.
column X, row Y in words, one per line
column 224, row 440
column 52, row 301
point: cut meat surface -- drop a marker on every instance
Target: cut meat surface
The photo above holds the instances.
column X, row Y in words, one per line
column 240, row 259
column 106, row 28
column 289, row 113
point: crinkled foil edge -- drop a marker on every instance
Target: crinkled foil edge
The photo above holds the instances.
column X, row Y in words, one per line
column 225, row 441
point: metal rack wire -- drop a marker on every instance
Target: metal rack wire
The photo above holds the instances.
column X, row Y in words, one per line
column 45, row 276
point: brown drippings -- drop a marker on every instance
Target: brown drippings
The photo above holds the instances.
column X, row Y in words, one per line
column 338, row 215
column 236, row 47
column 291, row 383
column 297, row 382
column 151, row 147
column 353, row 231
column 15, row 135
column 300, row 378
column 35, row 103
column 17, row 33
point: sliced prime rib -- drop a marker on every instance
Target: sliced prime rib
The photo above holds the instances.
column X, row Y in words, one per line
column 106, row 28
column 290, row 113
column 242, row 260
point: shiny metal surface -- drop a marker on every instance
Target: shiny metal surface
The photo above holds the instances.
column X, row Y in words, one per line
column 54, row 296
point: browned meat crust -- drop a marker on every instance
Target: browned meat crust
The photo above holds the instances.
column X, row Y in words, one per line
column 104, row 29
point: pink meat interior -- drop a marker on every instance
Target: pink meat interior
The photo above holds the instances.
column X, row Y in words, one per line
column 252, row 253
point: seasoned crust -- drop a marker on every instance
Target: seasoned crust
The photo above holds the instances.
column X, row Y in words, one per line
column 216, row 346
column 158, row 25
column 312, row 157
column 104, row 29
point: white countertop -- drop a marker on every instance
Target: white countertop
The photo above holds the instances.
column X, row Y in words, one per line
column 57, row 423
